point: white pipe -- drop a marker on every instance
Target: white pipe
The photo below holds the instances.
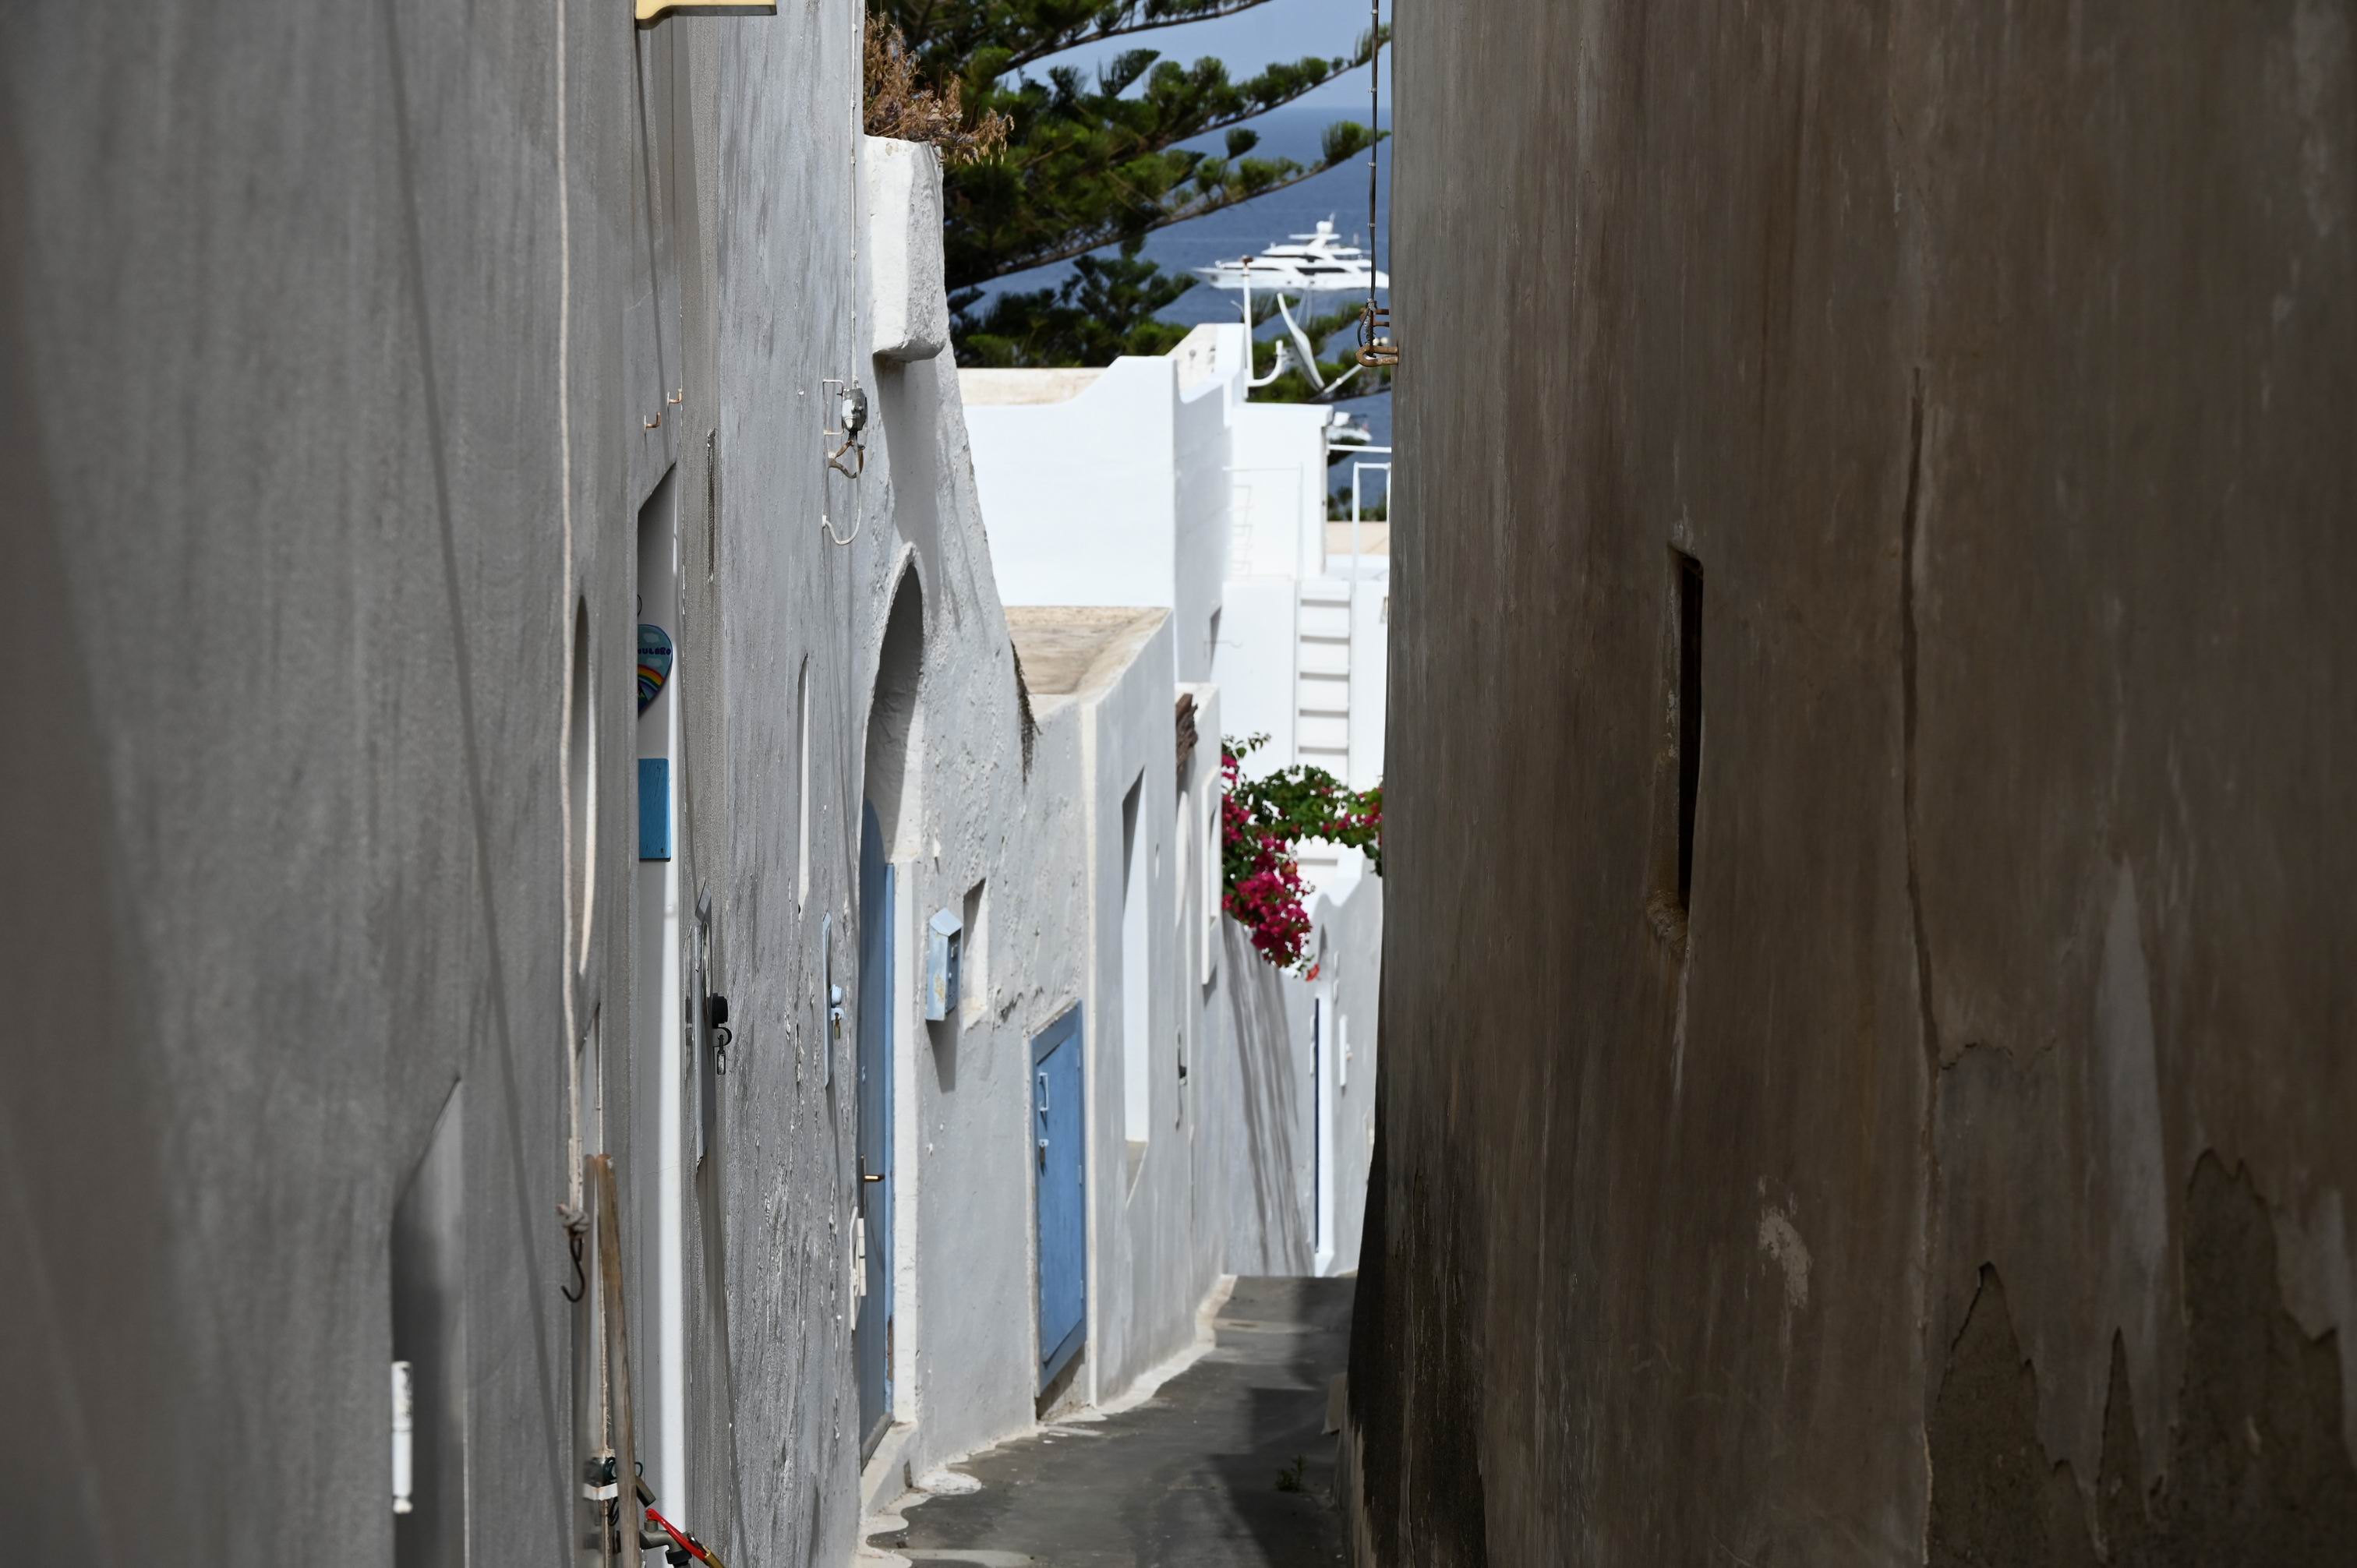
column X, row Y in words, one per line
column 657, row 1316
column 404, row 1409
column 671, row 1256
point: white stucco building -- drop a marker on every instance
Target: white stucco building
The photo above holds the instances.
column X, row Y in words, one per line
column 1155, row 481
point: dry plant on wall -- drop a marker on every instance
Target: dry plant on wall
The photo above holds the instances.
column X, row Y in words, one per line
column 900, row 104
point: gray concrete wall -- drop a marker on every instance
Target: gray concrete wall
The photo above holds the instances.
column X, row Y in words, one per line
column 287, row 315
column 1350, row 974
column 1959, row 1176
column 1259, row 1152
column 341, row 351
column 341, row 348
column 1145, row 1277
column 789, row 619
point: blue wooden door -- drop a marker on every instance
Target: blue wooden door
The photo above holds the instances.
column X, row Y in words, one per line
column 1057, row 1160
column 872, row 1337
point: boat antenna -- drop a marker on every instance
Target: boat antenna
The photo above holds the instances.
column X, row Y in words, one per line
column 1376, row 350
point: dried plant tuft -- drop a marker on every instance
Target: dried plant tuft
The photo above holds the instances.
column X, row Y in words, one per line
column 900, row 104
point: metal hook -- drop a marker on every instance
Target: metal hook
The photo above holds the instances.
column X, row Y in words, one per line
column 580, row 1275
column 1376, row 351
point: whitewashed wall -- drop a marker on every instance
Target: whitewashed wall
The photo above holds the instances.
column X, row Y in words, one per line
column 343, row 350
column 1107, row 488
column 1280, row 473
column 1043, row 838
column 1042, row 440
column 342, row 361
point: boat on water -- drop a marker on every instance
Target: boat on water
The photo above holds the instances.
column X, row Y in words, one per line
column 1316, row 263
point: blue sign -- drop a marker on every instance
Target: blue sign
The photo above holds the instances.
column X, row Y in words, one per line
column 654, row 662
column 654, row 807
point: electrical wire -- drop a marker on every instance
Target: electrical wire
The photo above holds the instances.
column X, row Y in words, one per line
column 1375, row 350
column 1374, row 133
column 834, row 458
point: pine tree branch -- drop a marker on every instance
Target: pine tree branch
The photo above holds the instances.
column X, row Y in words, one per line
column 1141, row 143
column 1079, row 33
column 1251, row 98
column 1240, row 117
column 1108, row 235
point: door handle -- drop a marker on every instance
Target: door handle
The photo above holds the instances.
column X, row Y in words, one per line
column 863, row 1170
column 1043, row 1095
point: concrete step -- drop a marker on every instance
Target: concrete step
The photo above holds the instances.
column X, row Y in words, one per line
column 1318, row 737
column 884, row 1478
column 1316, row 693
column 1329, row 621
column 1318, row 656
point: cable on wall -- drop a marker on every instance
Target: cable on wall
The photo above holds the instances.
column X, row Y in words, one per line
column 1376, row 348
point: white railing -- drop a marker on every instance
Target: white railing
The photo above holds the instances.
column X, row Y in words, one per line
column 1359, row 469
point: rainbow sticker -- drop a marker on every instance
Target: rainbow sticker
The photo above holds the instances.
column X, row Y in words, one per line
column 654, row 663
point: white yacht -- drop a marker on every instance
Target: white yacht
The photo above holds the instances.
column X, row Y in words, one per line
column 1316, row 263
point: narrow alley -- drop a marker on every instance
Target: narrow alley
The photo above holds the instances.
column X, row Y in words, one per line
column 1178, row 784
column 1230, row 1463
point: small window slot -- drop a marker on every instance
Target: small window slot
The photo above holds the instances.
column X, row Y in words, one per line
column 1687, row 574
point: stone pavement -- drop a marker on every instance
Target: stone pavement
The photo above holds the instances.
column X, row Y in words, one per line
column 1227, row 1465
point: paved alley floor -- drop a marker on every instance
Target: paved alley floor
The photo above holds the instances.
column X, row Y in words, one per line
column 1227, row 1465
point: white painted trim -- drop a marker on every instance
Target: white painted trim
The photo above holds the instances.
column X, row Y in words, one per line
column 909, row 1041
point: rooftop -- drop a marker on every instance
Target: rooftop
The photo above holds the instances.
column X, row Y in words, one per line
column 987, row 388
column 1070, row 649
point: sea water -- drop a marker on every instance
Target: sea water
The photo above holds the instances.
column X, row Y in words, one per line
column 1340, row 194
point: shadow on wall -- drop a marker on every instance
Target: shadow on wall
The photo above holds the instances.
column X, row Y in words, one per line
column 1440, row 1435
column 81, row 1131
column 2257, row 1471
column 894, row 753
column 1272, row 1110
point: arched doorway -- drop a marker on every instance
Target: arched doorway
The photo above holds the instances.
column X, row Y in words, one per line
column 889, row 830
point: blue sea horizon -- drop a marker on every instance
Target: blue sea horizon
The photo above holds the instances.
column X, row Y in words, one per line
column 1340, row 194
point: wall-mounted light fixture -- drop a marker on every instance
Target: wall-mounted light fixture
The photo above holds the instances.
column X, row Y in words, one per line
column 850, row 413
column 848, row 416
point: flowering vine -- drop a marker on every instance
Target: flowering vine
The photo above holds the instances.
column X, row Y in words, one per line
column 1262, row 823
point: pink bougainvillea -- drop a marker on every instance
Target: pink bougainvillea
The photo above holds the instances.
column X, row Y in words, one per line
column 1262, row 823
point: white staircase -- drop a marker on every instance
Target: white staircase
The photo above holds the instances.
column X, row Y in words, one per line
column 1321, row 687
